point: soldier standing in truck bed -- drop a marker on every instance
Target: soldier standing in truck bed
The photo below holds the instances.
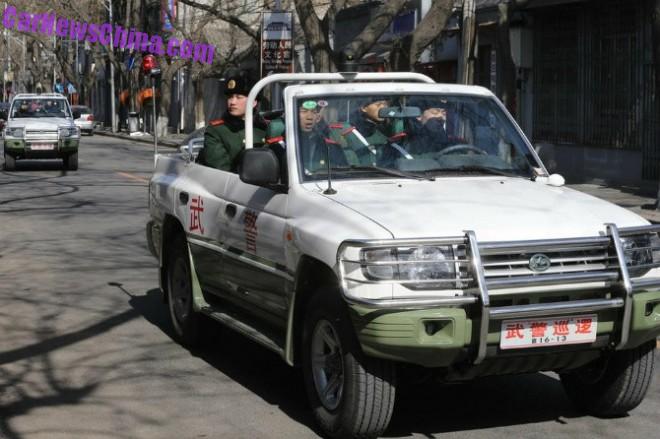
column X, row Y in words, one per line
column 224, row 139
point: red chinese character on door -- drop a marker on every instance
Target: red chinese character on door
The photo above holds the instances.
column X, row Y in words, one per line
column 513, row 330
column 538, row 329
column 560, row 327
column 196, row 208
column 584, row 326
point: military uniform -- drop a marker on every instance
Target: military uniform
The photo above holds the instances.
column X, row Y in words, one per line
column 224, row 138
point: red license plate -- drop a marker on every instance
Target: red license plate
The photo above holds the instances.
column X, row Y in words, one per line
column 42, row 146
column 535, row 333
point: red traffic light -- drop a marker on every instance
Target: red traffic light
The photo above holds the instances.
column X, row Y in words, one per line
column 148, row 63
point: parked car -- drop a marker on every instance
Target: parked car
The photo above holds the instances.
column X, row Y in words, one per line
column 193, row 143
column 457, row 258
column 40, row 126
column 83, row 118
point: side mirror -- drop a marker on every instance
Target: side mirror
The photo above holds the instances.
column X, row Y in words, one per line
column 260, row 167
column 76, row 114
column 3, row 115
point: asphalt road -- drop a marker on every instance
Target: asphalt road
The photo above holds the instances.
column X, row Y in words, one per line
column 86, row 348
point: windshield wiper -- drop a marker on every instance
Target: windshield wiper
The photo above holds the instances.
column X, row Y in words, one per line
column 476, row 168
column 386, row 171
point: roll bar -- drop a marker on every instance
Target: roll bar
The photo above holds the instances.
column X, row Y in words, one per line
column 337, row 77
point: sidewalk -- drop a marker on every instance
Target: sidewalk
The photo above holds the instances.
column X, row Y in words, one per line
column 629, row 197
column 171, row 140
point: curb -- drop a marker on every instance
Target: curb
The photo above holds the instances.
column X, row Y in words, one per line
column 148, row 140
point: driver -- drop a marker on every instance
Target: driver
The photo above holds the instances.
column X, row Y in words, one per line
column 429, row 131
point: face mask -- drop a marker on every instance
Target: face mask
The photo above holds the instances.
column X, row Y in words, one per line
column 434, row 125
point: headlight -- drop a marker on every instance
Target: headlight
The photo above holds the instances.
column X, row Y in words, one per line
column 68, row 131
column 14, row 132
column 641, row 253
column 414, row 264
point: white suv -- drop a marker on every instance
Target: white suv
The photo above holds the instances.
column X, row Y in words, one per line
column 40, row 126
column 355, row 255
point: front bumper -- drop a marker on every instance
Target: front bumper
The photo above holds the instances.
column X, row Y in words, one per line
column 437, row 331
column 20, row 148
column 440, row 337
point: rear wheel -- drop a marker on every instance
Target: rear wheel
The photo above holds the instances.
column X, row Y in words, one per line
column 187, row 323
column 10, row 162
column 71, row 161
column 613, row 385
column 351, row 395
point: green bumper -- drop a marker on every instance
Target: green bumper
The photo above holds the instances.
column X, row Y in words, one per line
column 18, row 146
column 437, row 337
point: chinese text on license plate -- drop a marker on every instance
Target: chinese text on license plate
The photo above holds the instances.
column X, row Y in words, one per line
column 532, row 333
column 42, row 146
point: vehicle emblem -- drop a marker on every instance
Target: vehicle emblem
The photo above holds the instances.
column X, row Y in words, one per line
column 539, row 262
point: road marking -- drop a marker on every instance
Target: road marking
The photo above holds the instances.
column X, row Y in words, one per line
column 133, row 177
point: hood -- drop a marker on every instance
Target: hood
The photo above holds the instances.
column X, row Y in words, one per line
column 41, row 123
column 495, row 208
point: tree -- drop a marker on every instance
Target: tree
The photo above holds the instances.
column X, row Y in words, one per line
column 407, row 51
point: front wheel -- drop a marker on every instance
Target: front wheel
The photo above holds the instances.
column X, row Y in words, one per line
column 186, row 322
column 71, row 162
column 10, row 162
column 351, row 395
column 613, row 385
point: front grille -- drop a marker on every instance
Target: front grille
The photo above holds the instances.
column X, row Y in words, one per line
column 41, row 134
column 570, row 261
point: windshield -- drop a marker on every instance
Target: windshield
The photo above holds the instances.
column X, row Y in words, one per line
column 429, row 135
column 39, row 107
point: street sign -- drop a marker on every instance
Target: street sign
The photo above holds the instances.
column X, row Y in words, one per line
column 276, row 43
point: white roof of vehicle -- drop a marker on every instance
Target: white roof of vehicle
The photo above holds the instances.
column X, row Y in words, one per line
column 353, row 88
column 39, row 95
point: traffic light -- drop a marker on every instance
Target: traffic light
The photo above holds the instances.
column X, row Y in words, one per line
column 150, row 65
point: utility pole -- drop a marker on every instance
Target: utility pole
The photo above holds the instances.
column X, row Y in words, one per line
column 468, row 39
column 112, row 74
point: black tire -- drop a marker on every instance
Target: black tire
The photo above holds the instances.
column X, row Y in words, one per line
column 613, row 385
column 10, row 162
column 361, row 405
column 186, row 322
column 90, row 133
column 71, row 162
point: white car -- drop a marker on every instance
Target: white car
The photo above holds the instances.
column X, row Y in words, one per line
column 83, row 118
column 457, row 254
column 40, row 126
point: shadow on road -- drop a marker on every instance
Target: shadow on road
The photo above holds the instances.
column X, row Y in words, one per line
column 39, row 165
column 424, row 408
column 257, row 369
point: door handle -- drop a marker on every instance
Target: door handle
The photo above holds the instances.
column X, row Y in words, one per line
column 230, row 210
column 183, row 197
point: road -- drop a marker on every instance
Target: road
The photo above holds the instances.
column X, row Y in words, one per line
column 86, row 348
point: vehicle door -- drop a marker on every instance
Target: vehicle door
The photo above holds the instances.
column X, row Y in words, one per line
column 198, row 194
column 255, row 265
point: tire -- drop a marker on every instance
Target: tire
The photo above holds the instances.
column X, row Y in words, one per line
column 10, row 162
column 71, row 162
column 613, row 385
column 90, row 133
column 351, row 395
column 186, row 322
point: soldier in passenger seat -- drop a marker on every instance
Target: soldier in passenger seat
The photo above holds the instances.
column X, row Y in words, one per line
column 317, row 140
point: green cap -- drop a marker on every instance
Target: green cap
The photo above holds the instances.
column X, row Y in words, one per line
column 309, row 105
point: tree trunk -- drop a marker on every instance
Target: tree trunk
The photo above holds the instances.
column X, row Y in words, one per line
column 507, row 86
column 405, row 54
column 317, row 39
